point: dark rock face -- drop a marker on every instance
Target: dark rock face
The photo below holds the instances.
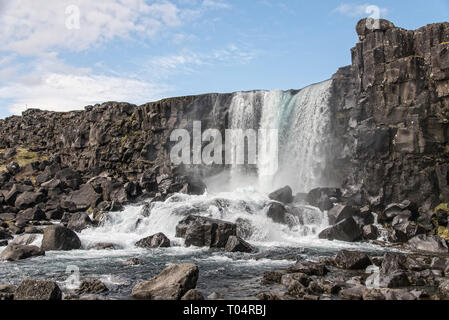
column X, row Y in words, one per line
column 193, row 295
column 237, row 244
column 158, row 240
column 91, row 287
column 352, row 260
column 171, row 284
column 79, row 221
column 15, row 252
column 341, row 212
column 347, row 230
column 37, row 290
column 284, row 195
column 322, row 197
column 205, row 232
column 58, row 238
column 277, row 212
column 389, row 116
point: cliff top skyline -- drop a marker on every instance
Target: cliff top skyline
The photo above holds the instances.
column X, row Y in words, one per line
column 63, row 55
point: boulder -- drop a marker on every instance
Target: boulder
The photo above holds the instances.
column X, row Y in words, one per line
column 158, row 240
column 24, row 239
column 237, row 244
column 28, row 199
column 57, row 238
column 91, row 287
column 31, row 214
column 5, row 235
column 277, row 212
column 15, row 252
column 200, row 231
column 16, row 189
column 69, row 177
column 193, row 295
column 309, row 268
column 426, row 243
column 444, row 288
column 352, row 260
column 340, row 212
column 79, row 221
column 171, row 284
column 84, row 198
column 284, row 195
column 38, row 290
column 133, row 262
column 12, row 168
column 103, row 246
column 323, row 198
column 396, row 279
column 347, row 230
column 393, row 262
column 405, row 209
column 370, row 232
column 289, row 278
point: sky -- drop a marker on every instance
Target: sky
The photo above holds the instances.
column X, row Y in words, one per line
column 62, row 55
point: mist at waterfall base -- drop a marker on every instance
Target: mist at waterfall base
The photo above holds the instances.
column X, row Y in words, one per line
column 239, row 196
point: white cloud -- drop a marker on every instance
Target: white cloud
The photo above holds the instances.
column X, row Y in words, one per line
column 58, row 87
column 216, row 4
column 356, row 10
column 32, row 27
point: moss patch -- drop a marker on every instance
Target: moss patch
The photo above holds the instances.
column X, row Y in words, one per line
column 443, row 232
column 23, row 157
column 442, row 207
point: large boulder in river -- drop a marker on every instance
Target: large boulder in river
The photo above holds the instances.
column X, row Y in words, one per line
column 284, row 195
column 352, row 260
column 237, row 244
column 171, row 284
column 277, row 212
column 323, row 198
column 79, row 221
column 84, row 198
column 340, row 212
column 15, row 252
column 201, row 231
column 433, row 244
column 347, row 230
column 37, row 290
column 158, row 240
column 59, row 238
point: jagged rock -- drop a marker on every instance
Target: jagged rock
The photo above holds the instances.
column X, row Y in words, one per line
column 287, row 279
column 352, row 260
column 406, row 209
column 5, row 235
column 193, row 295
column 133, row 262
column 37, row 290
column 321, row 197
column 200, row 231
column 237, row 244
column 7, row 292
column 158, row 240
column 12, row 168
column 69, row 177
column 444, row 288
column 84, row 198
column 277, row 213
column 31, row 214
column 284, row 195
column 369, row 25
column 347, row 230
column 104, row 246
column 396, row 279
column 392, row 262
column 15, row 252
column 370, row 232
column 79, row 221
column 28, row 199
column 91, row 287
column 272, row 277
column 309, row 268
column 171, row 284
column 57, row 238
column 433, row 244
column 244, row 228
column 24, row 239
column 16, row 189
column 340, row 212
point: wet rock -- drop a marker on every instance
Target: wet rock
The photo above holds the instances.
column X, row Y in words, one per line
column 237, row 244
column 392, row 262
column 158, row 240
column 272, row 277
column 354, row 293
column 267, row 296
column 15, row 252
column 200, row 231
column 171, row 284
column 444, row 288
column 405, row 209
column 277, row 213
column 340, row 212
column 31, row 214
column 193, row 295
column 433, row 244
column 7, row 292
column 104, row 246
column 347, row 230
column 79, row 221
column 91, row 287
column 309, row 268
column 57, row 238
column 372, row 295
column 214, row 296
column 244, row 228
column 439, row 263
column 352, row 260
column 287, row 279
column 396, row 279
column 284, row 195
column 297, row 289
column 321, row 197
column 370, row 232
column 38, row 290
column 24, row 239
column 133, row 262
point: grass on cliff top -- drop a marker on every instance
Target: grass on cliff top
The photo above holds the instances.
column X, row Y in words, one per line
column 23, row 157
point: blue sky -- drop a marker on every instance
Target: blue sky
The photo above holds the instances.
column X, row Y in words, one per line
column 142, row 50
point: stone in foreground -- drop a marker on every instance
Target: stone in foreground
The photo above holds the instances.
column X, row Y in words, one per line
column 15, row 252
column 38, row 290
column 158, row 240
column 59, row 238
column 352, row 260
column 171, row 284
column 193, row 295
column 347, row 230
column 237, row 244
column 426, row 243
